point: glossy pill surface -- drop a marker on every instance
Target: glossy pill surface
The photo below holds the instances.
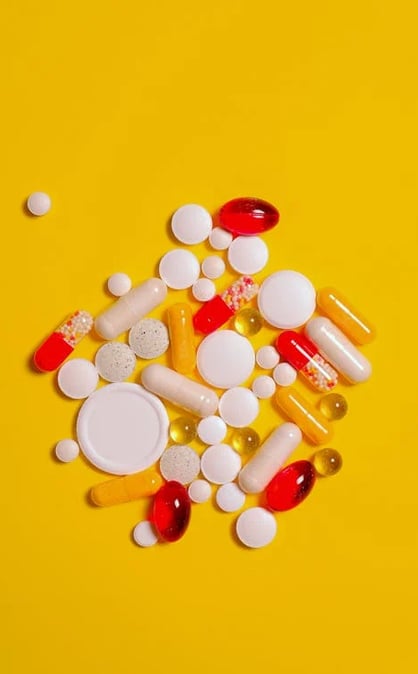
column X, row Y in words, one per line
column 171, row 511
column 332, row 303
column 290, row 486
column 245, row 440
column 311, row 422
column 247, row 216
column 183, row 430
column 248, row 322
column 181, row 331
column 333, row 406
column 303, row 355
column 126, row 488
column 327, row 462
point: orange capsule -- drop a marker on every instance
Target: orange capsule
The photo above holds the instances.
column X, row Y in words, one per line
column 345, row 316
column 127, row 488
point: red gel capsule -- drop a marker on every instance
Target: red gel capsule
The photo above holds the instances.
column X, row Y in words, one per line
column 303, row 355
column 247, row 216
column 171, row 511
column 290, row 486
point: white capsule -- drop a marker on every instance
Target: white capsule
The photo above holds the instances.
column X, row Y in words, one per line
column 269, row 458
column 130, row 308
column 338, row 350
column 179, row 390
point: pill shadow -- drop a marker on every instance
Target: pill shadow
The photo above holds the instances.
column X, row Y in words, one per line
column 25, row 210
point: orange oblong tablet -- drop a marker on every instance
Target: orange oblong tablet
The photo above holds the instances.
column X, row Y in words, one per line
column 310, row 421
column 127, row 488
column 180, row 327
column 345, row 316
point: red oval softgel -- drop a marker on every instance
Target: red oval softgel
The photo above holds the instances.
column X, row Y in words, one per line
column 290, row 486
column 248, row 216
column 171, row 511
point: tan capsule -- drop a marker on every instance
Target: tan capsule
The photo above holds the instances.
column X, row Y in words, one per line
column 342, row 313
column 127, row 488
column 180, row 326
column 311, row 422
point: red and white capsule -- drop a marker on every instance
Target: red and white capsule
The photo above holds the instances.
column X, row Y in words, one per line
column 304, row 356
column 58, row 346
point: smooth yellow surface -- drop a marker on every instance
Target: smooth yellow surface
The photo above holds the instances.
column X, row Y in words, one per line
column 123, row 111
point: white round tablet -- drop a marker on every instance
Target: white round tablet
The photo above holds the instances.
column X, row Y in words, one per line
column 200, row 491
column 238, row 407
column 115, row 361
column 179, row 269
column 225, row 359
column 180, row 463
column 38, row 203
column 256, row 527
column 67, row 450
column 286, row 299
column 284, row 374
column 211, row 430
column 144, row 534
column 122, row 428
column 248, row 254
column 220, row 464
column 191, row 224
column 263, row 387
column 229, row 497
column 213, row 266
column 203, row 290
column 220, row 239
column 119, row 284
column 149, row 338
column 267, row 357
column 77, row 378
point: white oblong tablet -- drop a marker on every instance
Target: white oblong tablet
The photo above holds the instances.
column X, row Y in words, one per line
column 238, row 407
column 180, row 463
column 199, row 491
column 248, row 254
column 191, row 224
column 203, row 290
column 115, row 361
column 213, row 266
column 267, row 357
column 122, row 428
column 256, row 527
column 77, row 378
column 220, row 239
column 220, row 464
column 212, row 430
column 149, row 338
column 229, row 497
column 119, row 284
column 179, row 269
column 39, row 203
column 144, row 534
column 286, row 299
column 263, row 387
column 67, row 450
column 225, row 359
column 284, row 374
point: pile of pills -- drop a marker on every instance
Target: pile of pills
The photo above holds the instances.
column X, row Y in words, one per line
column 124, row 429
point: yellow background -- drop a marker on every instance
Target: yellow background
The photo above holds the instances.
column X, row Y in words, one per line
column 123, row 111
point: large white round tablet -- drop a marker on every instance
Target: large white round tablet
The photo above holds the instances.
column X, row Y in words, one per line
column 229, row 497
column 122, row 428
column 220, row 239
column 144, row 534
column 179, row 269
column 225, row 359
column 213, row 266
column 180, row 463
column 220, row 464
column 256, row 527
column 263, row 387
column 267, row 357
column 199, row 491
column 248, row 254
column 77, row 378
column 115, row 361
column 238, row 407
column 286, row 299
column 191, row 224
column 211, row 430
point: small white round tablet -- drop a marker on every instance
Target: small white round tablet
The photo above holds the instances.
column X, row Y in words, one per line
column 203, row 290
column 256, row 527
column 220, row 239
column 225, row 359
column 229, row 497
column 211, row 430
column 77, row 378
column 248, row 254
column 200, row 491
column 213, row 266
column 238, row 407
column 284, row 374
column 115, row 361
column 220, row 464
column 267, row 357
column 67, row 450
column 144, row 534
column 286, row 299
column 119, row 284
column 149, row 338
column 191, row 224
column 180, row 463
column 38, row 203
column 263, row 387
column 179, row 269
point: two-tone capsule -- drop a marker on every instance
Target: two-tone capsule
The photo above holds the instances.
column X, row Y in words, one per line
column 221, row 308
column 304, row 356
column 61, row 343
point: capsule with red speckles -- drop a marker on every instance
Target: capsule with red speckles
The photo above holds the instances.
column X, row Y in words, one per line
column 58, row 346
column 304, row 356
column 171, row 511
column 247, row 216
column 290, row 486
column 221, row 308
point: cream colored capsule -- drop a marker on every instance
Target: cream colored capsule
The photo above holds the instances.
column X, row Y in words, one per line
column 269, row 458
column 130, row 308
column 180, row 390
column 127, row 488
column 180, row 326
column 345, row 316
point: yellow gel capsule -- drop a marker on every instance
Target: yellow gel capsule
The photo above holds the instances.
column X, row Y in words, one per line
column 310, row 421
column 180, row 327
column 127, row 488
column 343, row 314
column 327, row 462
column 183, row 430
